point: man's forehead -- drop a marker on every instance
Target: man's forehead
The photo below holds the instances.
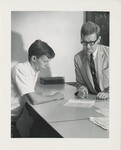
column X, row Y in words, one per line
column 45, row 58
column 92, row 36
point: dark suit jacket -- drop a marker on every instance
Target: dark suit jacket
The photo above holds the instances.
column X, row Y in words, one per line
column 82, row 69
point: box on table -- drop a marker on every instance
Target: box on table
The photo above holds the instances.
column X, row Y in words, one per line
column 52, row 80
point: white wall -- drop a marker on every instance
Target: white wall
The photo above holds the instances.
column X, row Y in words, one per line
column 61, row 30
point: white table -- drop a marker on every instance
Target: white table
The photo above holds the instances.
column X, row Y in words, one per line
column 68, row 121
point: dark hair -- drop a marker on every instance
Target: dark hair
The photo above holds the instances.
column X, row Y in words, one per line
column 39, row 48
column 90, row 28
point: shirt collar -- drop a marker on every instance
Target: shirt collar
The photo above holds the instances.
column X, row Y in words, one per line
column 94, row 54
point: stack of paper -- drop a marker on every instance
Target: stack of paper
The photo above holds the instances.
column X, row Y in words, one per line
column 101, row 121
column 80, row 103
column 103, row 108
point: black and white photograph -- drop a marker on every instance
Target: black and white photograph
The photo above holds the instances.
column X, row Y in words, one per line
column 60, row 75
column 68, row 97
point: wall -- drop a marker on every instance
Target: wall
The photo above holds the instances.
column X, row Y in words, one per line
column 59, row 29
column 101, row 18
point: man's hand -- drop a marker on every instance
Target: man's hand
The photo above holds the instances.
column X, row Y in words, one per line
column 82, row 92
column 102, row 96
column 58, row 96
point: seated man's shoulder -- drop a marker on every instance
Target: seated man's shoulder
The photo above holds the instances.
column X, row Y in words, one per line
column 19, row 67
column 80, row 54
column 104, row 49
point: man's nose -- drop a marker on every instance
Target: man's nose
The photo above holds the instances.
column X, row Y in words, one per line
column 46, row 65
column 88, row 45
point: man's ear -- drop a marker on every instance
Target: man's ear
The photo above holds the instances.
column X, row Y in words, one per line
column 99, row 39
column 33, row 58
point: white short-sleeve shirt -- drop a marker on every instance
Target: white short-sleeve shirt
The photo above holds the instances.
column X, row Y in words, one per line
column 23, row 80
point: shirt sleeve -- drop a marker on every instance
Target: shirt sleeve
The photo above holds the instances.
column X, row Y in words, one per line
column 23, row 81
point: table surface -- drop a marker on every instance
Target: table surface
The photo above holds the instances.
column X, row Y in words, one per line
column 68, row 121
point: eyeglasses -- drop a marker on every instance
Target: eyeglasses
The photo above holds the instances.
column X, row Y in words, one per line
column 91, row 43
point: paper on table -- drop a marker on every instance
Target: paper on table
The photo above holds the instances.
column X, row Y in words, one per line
column 101, row 121
column 79, row 103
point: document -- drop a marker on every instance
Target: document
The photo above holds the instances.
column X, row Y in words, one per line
column 101, row 121
column 103, row 108
column 80, row 103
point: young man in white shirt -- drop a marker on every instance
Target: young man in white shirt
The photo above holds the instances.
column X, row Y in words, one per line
column 92, row 64
column 23, row 80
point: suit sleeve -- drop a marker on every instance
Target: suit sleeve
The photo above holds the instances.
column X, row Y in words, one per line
column 106, row 70
column 79, row 77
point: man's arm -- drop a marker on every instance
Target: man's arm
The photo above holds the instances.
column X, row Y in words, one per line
column 79, row 78
column 104, row 94
column 36, row 98
column 106, row 90
column 82, row 90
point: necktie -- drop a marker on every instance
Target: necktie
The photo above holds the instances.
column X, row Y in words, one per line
column 93, row 72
